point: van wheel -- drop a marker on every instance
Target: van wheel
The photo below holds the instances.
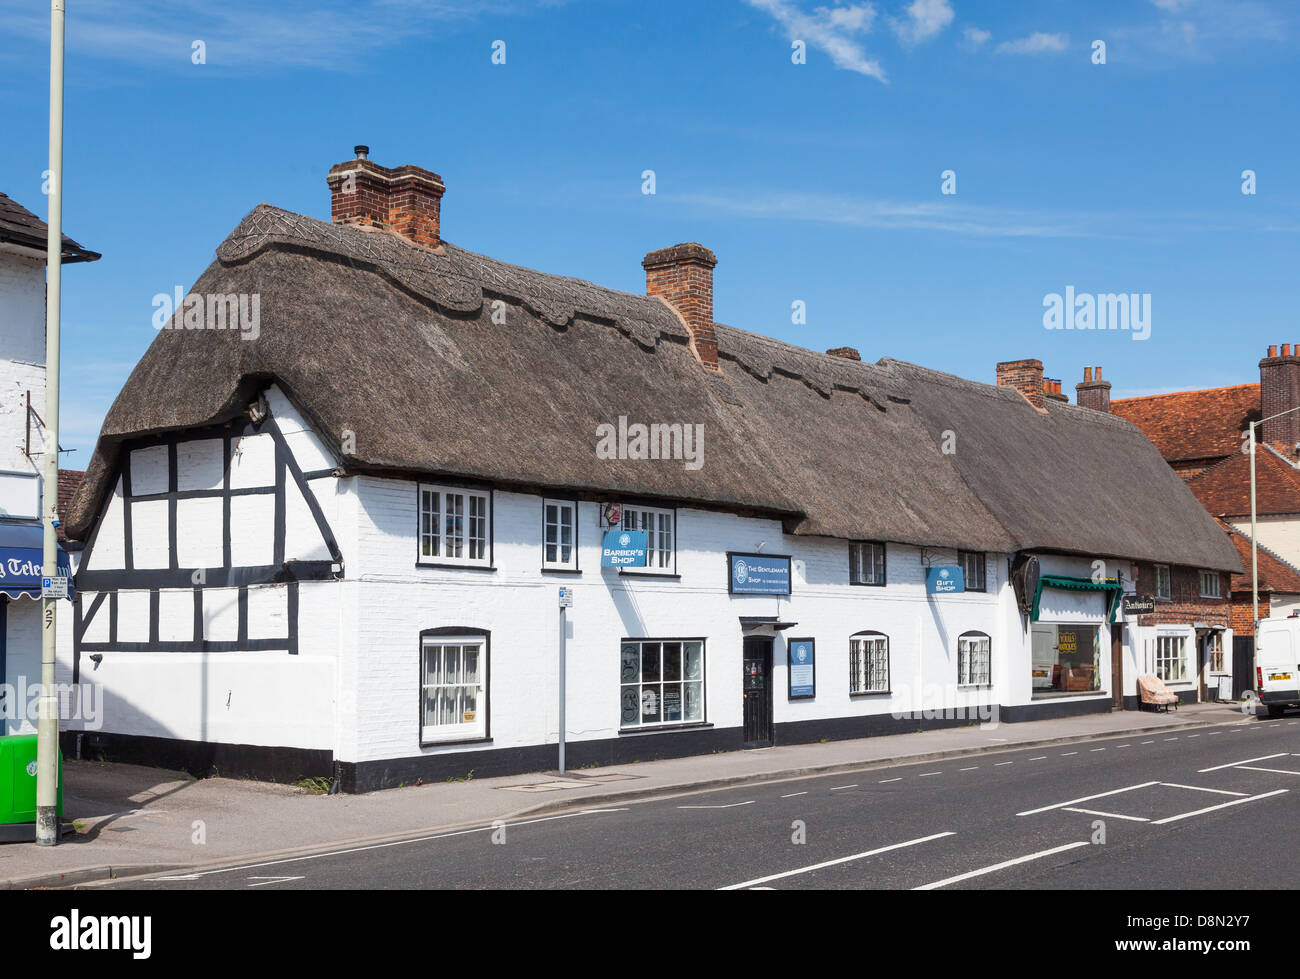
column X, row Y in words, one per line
column 1274, row 711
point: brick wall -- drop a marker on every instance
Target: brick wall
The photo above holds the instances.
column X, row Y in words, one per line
column 683, row 275
column 1026, row 376
column 1186, row 604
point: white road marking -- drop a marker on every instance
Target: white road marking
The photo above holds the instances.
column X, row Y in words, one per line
column 1000, row 866
column 838, row 787
column 1108, row 815
column 272, row 880
column 793, row 794
column 1001, row 763
column 1193, row 735
column 928, row 774
column 884, row 780
column 1064, row 753
column 971, row 769
column 1039, row 758
column 731, row 805
column 1201, row 788
column 1221, row 805
column 832, row 863
column 1073, row 802
column 1123, row 746
column 1216, row 732
column 382, row 846
column 1234, row 764
column 1096, row 749
column 1275, row 771
column 1148, row 742
column 1171, row 739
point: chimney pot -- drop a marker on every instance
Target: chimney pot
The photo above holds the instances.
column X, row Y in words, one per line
column 1272, row 349
column 361, row 151
column 1087, row 374
column 683, row 277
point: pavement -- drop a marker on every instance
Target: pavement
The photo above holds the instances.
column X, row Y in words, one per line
column 132, row 821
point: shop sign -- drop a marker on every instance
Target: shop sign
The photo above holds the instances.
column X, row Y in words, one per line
column 947, row 580
column 623, row 549
column 1138, row 604
column 803, row 668
column 758, row 574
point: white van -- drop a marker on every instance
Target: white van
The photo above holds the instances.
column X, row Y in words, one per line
column 1277, row 664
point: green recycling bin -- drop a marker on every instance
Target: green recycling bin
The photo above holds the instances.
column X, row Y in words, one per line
column 18, row 788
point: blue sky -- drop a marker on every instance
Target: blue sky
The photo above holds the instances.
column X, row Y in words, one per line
column 818, row 182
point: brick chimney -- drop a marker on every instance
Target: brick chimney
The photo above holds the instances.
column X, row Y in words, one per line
column 406, row 200
column 848, row 353
column 1279, row 390
column 1026, row 376
column 1092, row 392
column 683, row 276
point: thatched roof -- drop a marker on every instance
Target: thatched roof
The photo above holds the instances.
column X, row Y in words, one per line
column 400, row 346
column 1067, row 478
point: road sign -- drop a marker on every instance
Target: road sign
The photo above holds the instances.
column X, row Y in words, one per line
column 566, row 598
column 54, row 587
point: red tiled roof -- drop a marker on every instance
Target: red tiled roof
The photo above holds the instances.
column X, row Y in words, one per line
column 69, row 480
column 1224, row 489
column 1275, row 574
column 1193, row 424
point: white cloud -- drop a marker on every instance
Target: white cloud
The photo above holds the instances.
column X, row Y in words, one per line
column 1036, row 43
column 832, row 30
column 976, row 37
column 925, row 19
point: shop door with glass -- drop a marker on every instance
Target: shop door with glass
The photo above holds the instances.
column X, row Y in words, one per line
column 757, row 691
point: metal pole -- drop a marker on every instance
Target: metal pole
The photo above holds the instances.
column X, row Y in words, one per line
column 1254, row 554
column 47, row 724
column 563, row 630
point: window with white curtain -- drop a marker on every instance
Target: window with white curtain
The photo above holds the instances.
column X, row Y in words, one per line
column 453, row 687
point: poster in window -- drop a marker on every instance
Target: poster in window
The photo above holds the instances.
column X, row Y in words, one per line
column 631, row 706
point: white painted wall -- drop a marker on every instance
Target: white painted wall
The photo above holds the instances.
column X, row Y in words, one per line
column 1280, row 534
column 22, row 370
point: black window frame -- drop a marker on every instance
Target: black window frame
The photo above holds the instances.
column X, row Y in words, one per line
column 962, row 557
column 884, row 563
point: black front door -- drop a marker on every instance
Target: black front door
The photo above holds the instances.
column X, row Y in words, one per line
column 757, row 689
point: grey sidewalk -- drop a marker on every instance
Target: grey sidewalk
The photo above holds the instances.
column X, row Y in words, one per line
column 133, row 820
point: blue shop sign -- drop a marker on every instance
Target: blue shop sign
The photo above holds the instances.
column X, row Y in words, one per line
column 947, row 580
column 623, row 549
column 21, row 558
column 803, row 668
column 758, row 574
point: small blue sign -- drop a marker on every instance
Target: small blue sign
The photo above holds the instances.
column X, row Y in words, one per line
column 947, row 580
column 758, row 574
column 803, row 668
column 623, row 549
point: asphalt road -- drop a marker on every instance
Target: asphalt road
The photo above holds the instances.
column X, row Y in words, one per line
column 1208, row 808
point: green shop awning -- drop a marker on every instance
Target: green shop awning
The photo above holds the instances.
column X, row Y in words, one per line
column 1066, row 583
